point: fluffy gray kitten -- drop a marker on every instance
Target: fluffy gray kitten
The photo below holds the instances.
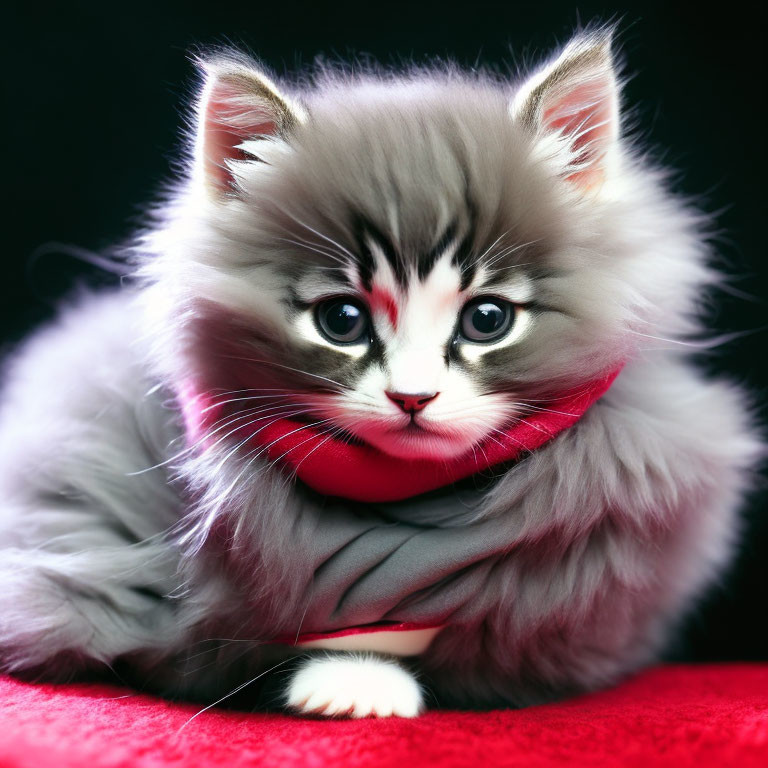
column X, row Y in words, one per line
column 410, row 263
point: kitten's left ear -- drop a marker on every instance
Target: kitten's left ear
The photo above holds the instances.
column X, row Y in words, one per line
column 571, row 107
column 238, row 104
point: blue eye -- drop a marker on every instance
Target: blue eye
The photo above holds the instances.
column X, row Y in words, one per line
column 342, row 320
column 486, row 319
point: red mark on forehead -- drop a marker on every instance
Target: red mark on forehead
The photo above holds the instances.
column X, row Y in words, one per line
column 381, row 300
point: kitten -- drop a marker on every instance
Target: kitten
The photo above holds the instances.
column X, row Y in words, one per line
column 396, row 402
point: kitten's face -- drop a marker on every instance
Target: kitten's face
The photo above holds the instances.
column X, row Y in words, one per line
column 416, row 345
column 398, row 265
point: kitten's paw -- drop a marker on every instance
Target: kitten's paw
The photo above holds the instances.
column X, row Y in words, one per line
column 354, row 685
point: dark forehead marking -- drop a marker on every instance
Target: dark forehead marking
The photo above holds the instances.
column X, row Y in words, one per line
column 365, row 261
column 464, row 257
column 428, row 261
column 366, row 231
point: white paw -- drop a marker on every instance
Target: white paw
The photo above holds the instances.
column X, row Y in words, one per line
column 354, row 685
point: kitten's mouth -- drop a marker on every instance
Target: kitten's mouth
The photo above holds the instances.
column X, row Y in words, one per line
column 413, row 427
column 418, row 440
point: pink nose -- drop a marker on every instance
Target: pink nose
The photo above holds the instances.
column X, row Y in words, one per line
column 412, row 403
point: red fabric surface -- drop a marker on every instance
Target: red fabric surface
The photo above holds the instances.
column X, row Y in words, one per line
column 336, row 467
column 703, row 716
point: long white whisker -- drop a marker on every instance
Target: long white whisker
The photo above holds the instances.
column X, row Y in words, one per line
column 224, row 422
column 556, row 399
column 250, row 435
column 518, row 420
column 692, row 344
column 485, row 455
column 248, row 413
column 505, row 268
column 549, row 410
column 293, row 431
column 509, row 251
column 201, row 531
column 232, row 693
column 491, row 246
column 254, row 454
column 227, row 421
column 222, row 393
column 325, row 237
column 316, row 249
column 287, row 367
column 220, row 403
column 509, row 437
column 331, row 434
column 298, row 445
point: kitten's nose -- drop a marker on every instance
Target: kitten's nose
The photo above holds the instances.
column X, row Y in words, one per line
column 412, row 403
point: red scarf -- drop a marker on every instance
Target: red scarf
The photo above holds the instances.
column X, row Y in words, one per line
column 359, row 472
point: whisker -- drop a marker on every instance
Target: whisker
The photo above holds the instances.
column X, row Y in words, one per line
column 470, row 410
column 303, row 615
column 220, row 403
column 273, row 416
column 221, row 393
column 513, row 439
column 341, row 386
column 245, row 415
column 485, row 455
column 509, row 251
column 220, row 424
column 551, row 410
column 703, row 344
column 201, row 531
column 230, row 661
column 331, row 434
column 294, row 473
column 496, row 270
column 261, row 429
column 491, row 246
column 298, row 445
column 190, row 448
column 324, row 237
column 255, row 454
column 233, row 692
column 533, row 399
column 292, row 432
column 579, row 393
column 316, row 249
column 544, row 431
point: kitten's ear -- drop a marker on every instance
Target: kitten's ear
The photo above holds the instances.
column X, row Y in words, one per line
column 238, row 104
column 571, row 106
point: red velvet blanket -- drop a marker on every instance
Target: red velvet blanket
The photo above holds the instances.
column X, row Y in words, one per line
column 704, row 716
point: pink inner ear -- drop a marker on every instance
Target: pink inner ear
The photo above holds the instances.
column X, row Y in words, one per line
column 228, row 121
column 585, row 115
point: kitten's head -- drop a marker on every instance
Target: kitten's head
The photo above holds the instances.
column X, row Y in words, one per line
column 414, row 260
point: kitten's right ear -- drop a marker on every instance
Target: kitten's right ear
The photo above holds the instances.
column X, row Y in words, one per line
column 238, row 104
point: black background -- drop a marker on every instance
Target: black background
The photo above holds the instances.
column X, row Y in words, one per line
column 92, row 100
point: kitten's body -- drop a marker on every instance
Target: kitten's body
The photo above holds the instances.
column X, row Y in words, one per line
column 186, row 569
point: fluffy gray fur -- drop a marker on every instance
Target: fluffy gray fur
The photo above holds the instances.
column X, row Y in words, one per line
column 120, row 545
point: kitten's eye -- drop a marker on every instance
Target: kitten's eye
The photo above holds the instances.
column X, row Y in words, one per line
column 342, row 320
column 486, row 319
